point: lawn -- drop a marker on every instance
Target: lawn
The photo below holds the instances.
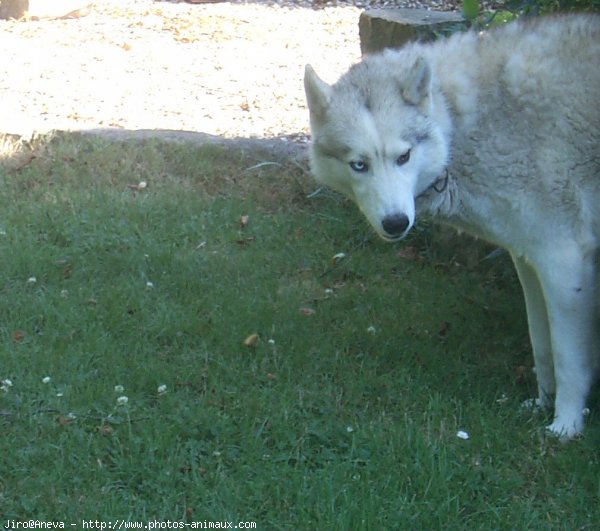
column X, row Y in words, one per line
column 188, row 334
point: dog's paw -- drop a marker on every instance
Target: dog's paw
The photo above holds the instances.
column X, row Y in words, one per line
column 565, row 431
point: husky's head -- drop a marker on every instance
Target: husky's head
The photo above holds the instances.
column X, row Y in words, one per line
column 379, row 137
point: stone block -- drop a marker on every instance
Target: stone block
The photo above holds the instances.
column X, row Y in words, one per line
column 38, row 9
column 392, row 28
column 13, row 8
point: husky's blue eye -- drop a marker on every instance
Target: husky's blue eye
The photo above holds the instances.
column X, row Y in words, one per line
column 359, row 166
column 403, row 159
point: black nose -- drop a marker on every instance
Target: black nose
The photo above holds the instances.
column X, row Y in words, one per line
column 395, row 225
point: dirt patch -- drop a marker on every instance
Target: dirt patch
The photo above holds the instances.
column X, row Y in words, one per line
column 227, row 69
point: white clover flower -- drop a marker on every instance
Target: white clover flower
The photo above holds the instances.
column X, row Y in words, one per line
column 122, row 400
column 119, row 389
column 349, row 429
column 31, row 280
column 371, row 329
column 463, row 435
column 6, row 385
column 162, row 389
column 149, row 285
column 46, row 379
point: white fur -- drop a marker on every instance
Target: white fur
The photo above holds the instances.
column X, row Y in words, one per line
column 503, row 130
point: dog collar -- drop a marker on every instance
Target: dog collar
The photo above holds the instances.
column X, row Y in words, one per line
column 441, row 183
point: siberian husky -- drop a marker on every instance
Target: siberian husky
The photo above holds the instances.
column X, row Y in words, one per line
column 498, row 135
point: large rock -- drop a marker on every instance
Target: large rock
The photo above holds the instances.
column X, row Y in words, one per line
column 13, row 8
column 392, row 28
column 36, row 9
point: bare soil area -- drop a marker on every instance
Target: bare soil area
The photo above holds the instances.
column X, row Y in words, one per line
column 228, row 69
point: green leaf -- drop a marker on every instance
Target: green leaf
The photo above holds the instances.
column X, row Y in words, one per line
column 471, row 9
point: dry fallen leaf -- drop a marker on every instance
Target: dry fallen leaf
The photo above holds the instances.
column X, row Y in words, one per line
column 18, row 335
column 337, row 257
column 251, row 341
column 105, row 429
column 142, row 185
column 246, row 241
column 64, row 421
column 444, row 329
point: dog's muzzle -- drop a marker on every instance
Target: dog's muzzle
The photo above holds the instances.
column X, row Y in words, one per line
column 395, row 225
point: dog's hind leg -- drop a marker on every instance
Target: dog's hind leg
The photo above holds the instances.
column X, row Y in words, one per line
column 568, row 280
column 539, row 331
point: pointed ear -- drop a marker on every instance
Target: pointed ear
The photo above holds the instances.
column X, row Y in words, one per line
column 417, row 87
column 318, row 93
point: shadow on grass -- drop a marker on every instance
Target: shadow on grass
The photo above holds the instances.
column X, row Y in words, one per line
column 274, row 171
column 282, row 148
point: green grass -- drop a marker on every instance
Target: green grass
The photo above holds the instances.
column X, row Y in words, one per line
column 345, row 413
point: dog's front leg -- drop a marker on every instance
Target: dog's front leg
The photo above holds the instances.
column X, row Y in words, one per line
column 568, row 281
column 539, row 331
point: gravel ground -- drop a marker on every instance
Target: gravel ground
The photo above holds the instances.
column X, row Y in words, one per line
column 231, row 69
